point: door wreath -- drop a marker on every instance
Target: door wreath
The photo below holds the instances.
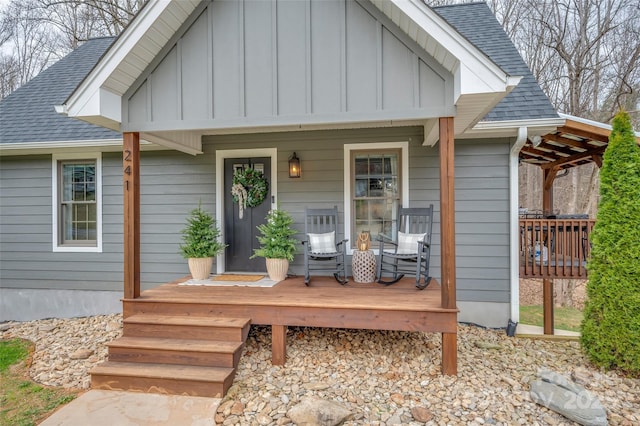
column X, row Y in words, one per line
column 249, row 189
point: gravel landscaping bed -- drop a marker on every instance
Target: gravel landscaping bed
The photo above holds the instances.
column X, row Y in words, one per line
column 382, row 377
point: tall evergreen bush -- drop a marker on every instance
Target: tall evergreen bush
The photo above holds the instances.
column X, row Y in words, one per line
column 611, row 325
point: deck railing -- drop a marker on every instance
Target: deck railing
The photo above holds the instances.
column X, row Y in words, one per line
column 554, row 248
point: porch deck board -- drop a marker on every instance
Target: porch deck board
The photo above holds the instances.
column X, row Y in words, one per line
column 325, row 303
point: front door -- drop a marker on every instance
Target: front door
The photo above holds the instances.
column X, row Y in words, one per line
column 240, row 233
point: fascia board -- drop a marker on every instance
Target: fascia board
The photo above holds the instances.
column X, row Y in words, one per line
column 477, row 73
column 510, row 128
column 100, row 102
column 9, row 147
column 87, row 93
column 588, row 122
column 585, row 121
column 101, row 145
column 514, row 124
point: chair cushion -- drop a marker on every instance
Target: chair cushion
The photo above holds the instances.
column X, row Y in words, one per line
column 323, row 243
column 408, row 243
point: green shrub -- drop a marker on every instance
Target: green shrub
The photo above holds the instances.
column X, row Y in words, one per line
column 611, row 325
column 276, row 241
column 200, row 238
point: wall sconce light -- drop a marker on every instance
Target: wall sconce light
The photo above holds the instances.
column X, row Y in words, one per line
column 536, row 141
column 294, row 166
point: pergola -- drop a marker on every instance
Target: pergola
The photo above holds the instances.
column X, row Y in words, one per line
column 578, row 142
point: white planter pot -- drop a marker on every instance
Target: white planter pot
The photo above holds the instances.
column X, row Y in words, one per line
column 200, row 268
column 277, row 269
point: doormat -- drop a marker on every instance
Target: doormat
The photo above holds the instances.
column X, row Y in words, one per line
column 236, row 277
column 214, row 281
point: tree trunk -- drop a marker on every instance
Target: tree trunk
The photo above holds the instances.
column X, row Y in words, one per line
column 564, row 290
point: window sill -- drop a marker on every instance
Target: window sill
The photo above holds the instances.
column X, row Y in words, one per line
column 77, row 249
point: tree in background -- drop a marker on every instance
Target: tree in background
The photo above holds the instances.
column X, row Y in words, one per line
column 36, row 33
column 611, row 325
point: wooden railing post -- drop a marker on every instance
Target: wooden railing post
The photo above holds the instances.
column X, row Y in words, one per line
column 448, row 241
column 131, row 190
column 547, row 303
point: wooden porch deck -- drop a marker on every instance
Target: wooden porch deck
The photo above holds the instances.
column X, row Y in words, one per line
column 165, row 328
column 325, row 303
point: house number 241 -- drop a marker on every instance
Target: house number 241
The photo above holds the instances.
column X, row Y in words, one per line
column 127, row 169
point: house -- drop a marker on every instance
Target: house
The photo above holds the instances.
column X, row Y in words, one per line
column 40, row 275
column 209, row 86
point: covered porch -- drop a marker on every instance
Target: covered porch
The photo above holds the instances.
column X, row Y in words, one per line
column 153, row 355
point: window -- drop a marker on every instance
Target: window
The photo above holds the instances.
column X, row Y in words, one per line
column 77, row 206
column 375, row 185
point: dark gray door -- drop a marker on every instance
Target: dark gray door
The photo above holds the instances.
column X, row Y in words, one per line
column 240, row 234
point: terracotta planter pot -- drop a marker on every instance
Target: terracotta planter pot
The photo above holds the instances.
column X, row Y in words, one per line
column 200, row 268
column 277, row 269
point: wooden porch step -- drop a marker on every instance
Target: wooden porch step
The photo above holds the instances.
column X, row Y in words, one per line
column 160, row 350
column 163, row 378
column 187, row 327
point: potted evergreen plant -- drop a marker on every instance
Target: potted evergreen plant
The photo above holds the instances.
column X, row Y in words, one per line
column 200, row 243
column 276, row 244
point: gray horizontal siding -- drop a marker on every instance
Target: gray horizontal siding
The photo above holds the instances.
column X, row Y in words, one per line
column 174, row 183
column 322, row 163
column 280, row 62
column 26, row 256
column 482, row 220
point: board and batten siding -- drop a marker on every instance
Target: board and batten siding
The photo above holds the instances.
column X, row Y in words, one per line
column 245, row 63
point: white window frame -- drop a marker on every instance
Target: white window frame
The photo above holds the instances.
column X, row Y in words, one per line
column 404, row 196
column 55, row 193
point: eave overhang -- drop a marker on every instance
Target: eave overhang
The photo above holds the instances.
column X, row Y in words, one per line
column 479, row 84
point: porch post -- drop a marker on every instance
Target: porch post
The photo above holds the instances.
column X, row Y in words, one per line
column 548, row 176
column 447, row 241
column 278, row 344
column 131, row 189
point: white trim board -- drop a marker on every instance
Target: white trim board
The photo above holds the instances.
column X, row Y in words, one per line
column 221, row 155
column 404, row 197
column 55, row 158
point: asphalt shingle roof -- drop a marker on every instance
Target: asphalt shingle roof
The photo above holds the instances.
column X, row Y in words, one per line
column 477, row 23
column 28, row 114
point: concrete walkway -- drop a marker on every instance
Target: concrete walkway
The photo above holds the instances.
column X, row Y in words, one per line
column 108, row 408
column 526, row 330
